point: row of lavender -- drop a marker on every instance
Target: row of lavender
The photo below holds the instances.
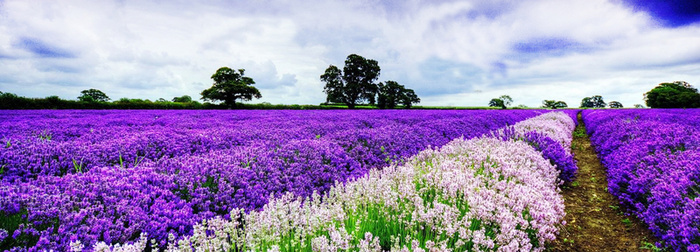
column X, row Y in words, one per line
column 113, row 175
column 653, row 162
column 492, row 193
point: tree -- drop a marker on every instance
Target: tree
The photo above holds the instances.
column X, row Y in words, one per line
column 503, row 101
column 679, row 94
column 183, row 99
column 495, row 102
column 229, row 86
column 392, row 93
column 615, row 104
column 506, row 100
column 356, row 83
column 93, row 95
column 334, row 88
column 409, row 98
column 388, row 94
column 554, row 104
column 638, row 106
column 595, row 101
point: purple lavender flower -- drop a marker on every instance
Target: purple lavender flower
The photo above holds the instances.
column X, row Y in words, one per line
column 653, row 162
column 111, row 176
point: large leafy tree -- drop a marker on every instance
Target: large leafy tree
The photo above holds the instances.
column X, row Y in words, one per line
column 595, row 101
column 679, row 94
column 93, row 95
column 229, row 86
column 392, row 93
column 354, row 84
column 502, row 102
column 554, row 104
column 495, row 102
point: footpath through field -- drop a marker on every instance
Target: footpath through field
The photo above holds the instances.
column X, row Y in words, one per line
column 595, row 220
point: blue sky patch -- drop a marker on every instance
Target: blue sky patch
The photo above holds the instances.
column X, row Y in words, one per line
column 671, row 13
column 547, row 46
column 490, row 9
column 439, row 76
column 42, row 49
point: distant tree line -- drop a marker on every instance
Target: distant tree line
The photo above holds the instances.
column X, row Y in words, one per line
column 595, row 101
column 13, row 101
column 678, row 94
column 354, row 84
column 87, row 101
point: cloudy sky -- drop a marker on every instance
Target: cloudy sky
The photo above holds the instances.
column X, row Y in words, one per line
column 456, row 53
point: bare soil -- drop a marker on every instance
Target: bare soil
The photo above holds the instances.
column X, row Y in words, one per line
column 595, row 220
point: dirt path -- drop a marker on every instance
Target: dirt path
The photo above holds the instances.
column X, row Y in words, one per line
column 595, row 220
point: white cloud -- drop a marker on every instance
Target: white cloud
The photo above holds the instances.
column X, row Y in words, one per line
column 447, row 49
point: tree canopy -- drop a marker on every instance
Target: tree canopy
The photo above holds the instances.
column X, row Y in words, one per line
column 495, row 102
column 554, row 104
column 409, row 98
column 229, row 86
column 183, row 99
column 615, row 104
column 93, row 95
column 678, row 94
column 392, row 93
column 502, row 102
column 595, row 101
column 354, row 84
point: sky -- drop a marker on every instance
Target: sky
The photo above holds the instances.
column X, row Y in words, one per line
column 452, row 53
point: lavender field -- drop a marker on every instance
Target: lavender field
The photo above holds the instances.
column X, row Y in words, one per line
column 653, row 162
column 117, row 177
column 267, row 180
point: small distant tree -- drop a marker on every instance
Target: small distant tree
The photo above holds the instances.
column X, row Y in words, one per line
column 183, row 99
column 93, row 95
column 595, row 101
column 638, row 106
column 392, row 93
column 354, row 84
column 615, row 104
column 554, row 104
column 229, row 86
column 678, row 94
column 503, row 101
